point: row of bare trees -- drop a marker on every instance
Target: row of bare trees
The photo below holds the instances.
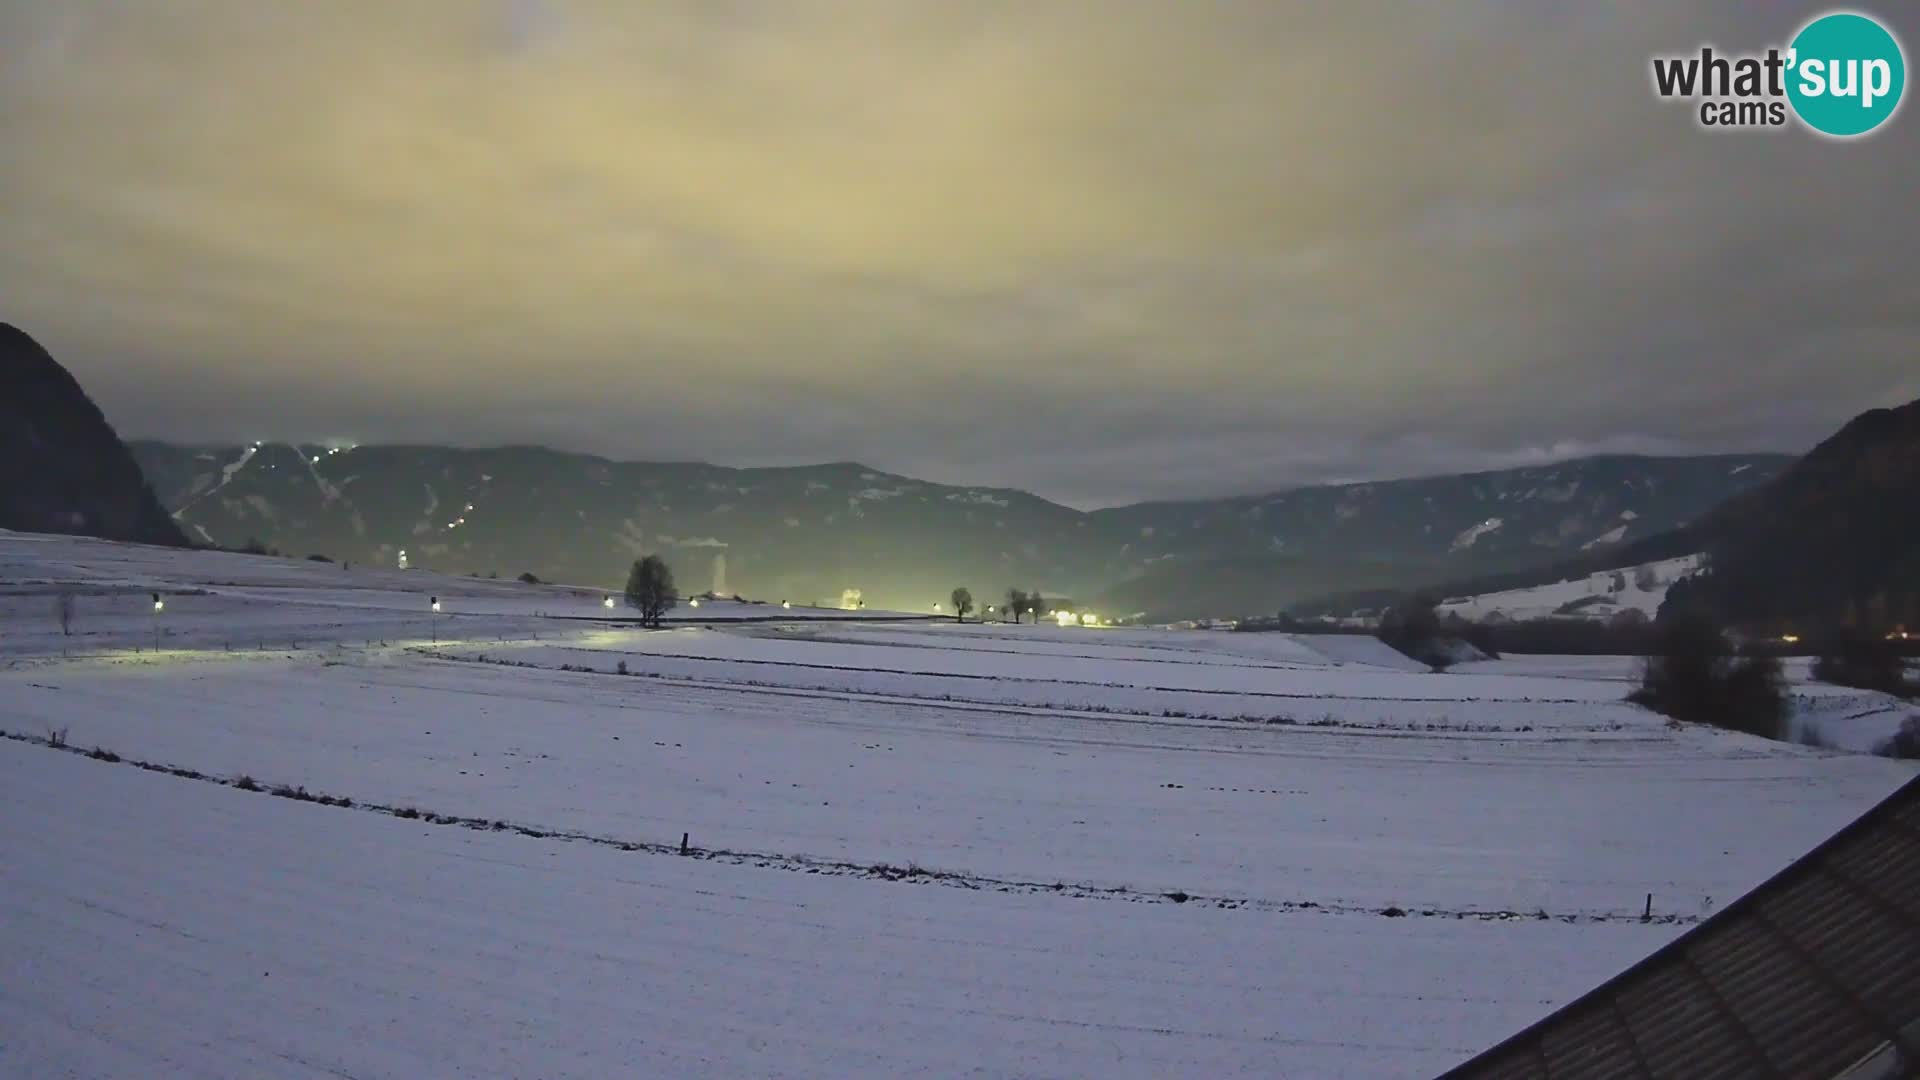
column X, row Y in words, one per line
column 1019, row 603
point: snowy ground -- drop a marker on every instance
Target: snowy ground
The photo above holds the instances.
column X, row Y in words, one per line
column 913, row 846
column 225, row 601
column 1600, row 595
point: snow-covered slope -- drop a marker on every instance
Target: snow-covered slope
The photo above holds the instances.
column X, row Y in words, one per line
column 1599, row 596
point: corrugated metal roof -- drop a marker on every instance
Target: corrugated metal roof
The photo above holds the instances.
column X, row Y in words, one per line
column 1811, row 974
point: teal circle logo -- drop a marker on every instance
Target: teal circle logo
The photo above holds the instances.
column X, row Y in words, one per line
column 1846, row 74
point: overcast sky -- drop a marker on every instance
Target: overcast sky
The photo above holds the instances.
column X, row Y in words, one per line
column 1103, row 251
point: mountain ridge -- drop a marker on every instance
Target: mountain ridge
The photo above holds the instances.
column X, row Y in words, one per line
column 62, row 466
column 1832, row 540
column 810, row 531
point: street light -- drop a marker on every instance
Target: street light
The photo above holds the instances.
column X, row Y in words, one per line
column 607, row 603
column 693, row 602
column 435, row 604
column 786, row 603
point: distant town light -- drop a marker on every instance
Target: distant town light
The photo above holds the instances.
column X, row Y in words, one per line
column 1065, row 618
column 695, row 602
column 786, row 603
column 1790, row 639
column 936, row 607
column 608, row 602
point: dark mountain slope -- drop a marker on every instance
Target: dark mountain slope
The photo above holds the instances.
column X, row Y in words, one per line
column 1258, row 555
column 1833, row 539
column 1836, row 538
column 62, row 468
column 806, row 533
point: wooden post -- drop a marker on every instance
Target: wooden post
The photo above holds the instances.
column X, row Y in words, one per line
column 1647, row 916
column 683, row 843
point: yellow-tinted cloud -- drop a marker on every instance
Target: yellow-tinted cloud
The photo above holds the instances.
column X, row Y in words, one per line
column 898, row 230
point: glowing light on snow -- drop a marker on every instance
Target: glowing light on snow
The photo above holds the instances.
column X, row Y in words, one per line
column 1064, row 618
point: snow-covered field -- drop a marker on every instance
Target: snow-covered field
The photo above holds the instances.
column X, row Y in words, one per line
column 912, row 847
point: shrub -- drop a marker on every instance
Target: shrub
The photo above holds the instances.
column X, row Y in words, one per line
column 1693, row 676
column 1866, row 662
column 1903, row 744
column 1413, row 626
column 1811, row 735
column 528, row 578
column 317, row 557
column 245, row 783
column 621, row 667
column 56, row 737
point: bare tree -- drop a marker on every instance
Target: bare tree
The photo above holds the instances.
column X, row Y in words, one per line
column 63, row 610
column 650, row 589
column 1016, row 603
column 962, row 603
